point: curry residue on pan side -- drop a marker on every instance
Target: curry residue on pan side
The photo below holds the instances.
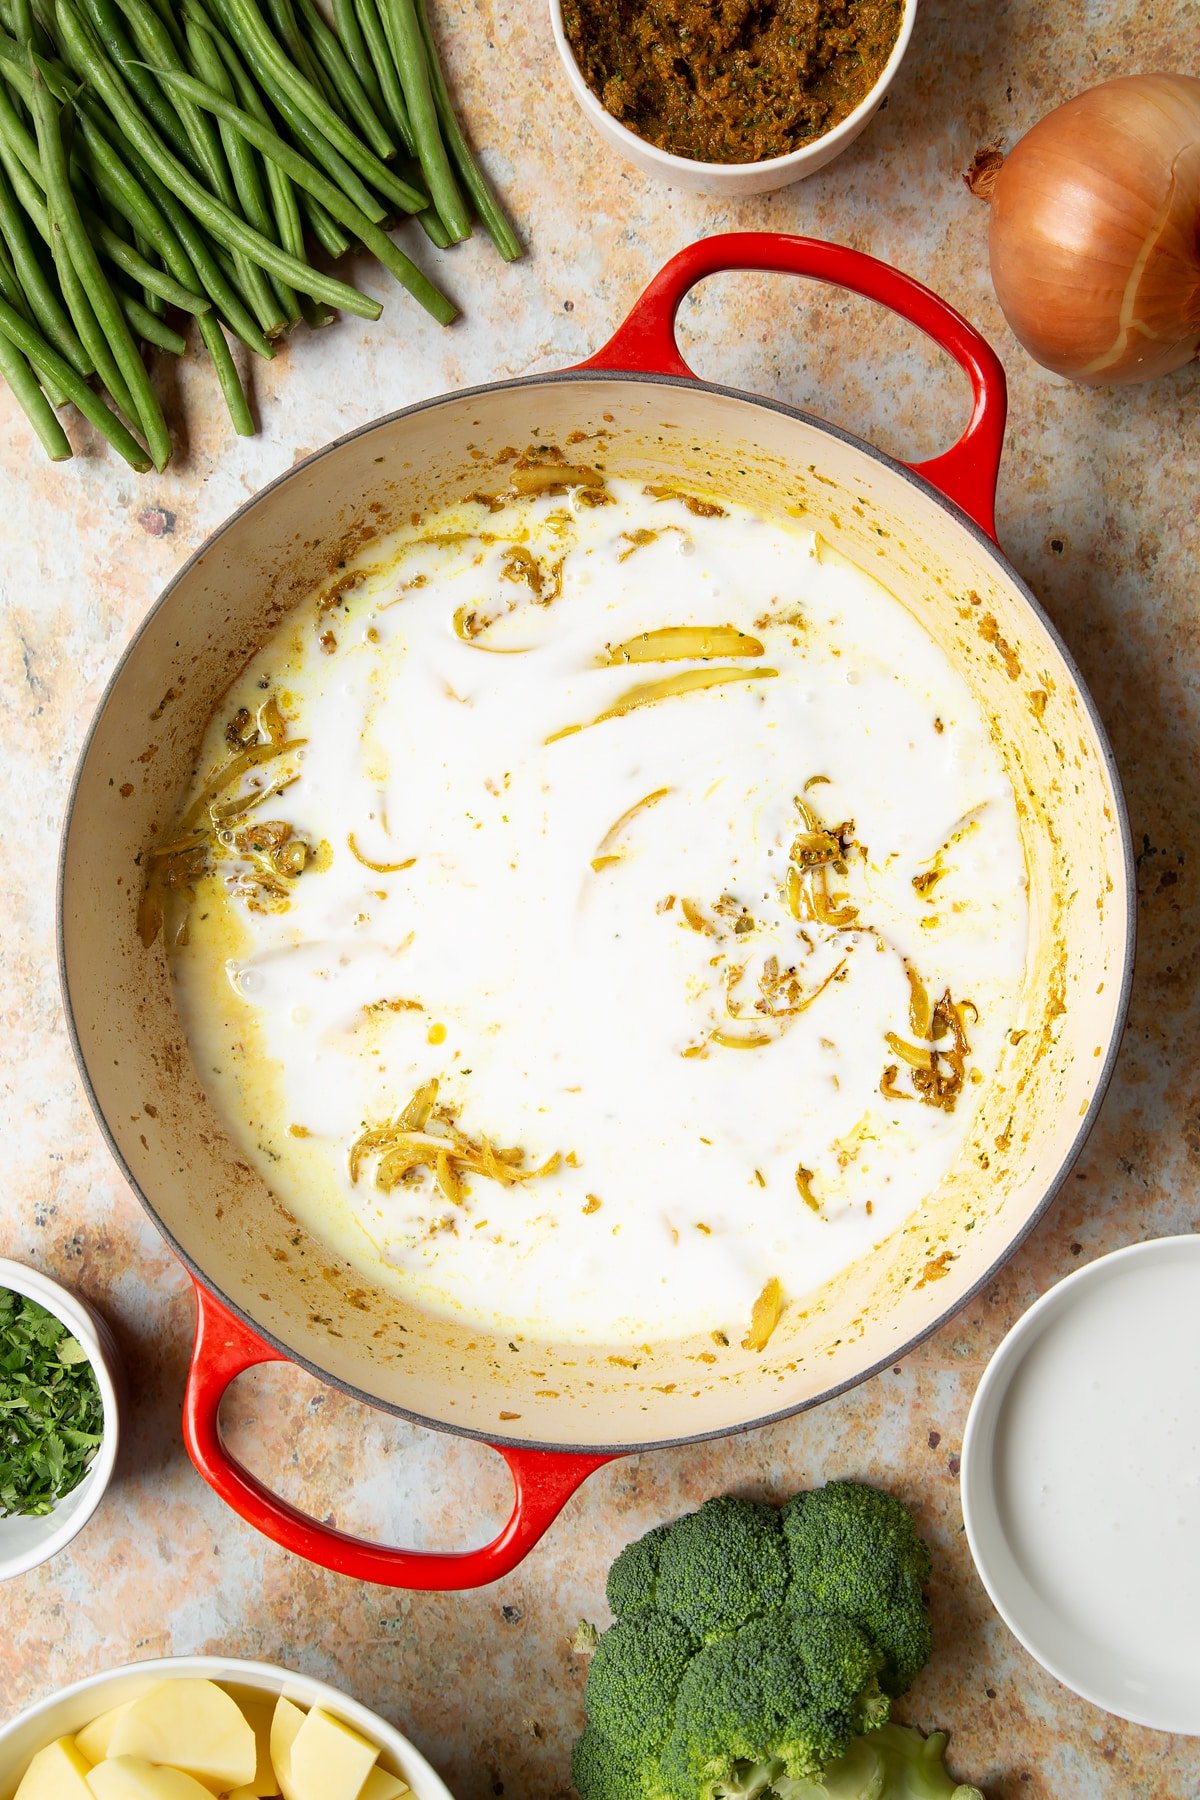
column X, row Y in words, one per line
column 735, row 81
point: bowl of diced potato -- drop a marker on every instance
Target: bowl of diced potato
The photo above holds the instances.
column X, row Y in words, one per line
column 195, row 1727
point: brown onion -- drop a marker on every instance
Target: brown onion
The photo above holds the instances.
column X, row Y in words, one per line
column 1095, row 231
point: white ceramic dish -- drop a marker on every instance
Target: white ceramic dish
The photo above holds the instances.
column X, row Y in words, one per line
column 26, row 1542
column 1081, row 1482
column 72, row 1708
column 730, row 180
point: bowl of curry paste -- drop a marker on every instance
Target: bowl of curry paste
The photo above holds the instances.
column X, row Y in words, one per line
column 731, row 96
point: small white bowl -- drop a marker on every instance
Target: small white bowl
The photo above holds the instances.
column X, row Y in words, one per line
column 26, row 1542
column 731, row 180
column 1081, row 1482
column 68, row 1711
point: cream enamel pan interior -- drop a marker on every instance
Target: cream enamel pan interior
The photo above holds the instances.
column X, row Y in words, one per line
column 216, row 1210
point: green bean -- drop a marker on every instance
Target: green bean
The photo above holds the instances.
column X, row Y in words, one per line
column 12, row 291
column 8, row 274
column 289, row 227
column 412, row 64
column 218, row 279
column 310, row 139
column 66, row 221
column 184, row 270
column 183, row 245
column 166, row 13
column 313, row 142
column 433, row 228
column 130, row 196
column 385, row 68
column 280, row 17
column 104, row 165
column 45, row 302
column 29, row 30
column 18, row 151
column 10, row 285
column 106, row 20
column 227, row 375
column 156, row 45
column 149, row 328
column 341, row 72
column 184, row 239
column 186, row 153
column 354, row 45
column 49, row 363
column 94, row 66
column 83, row 316
column 496, row 222
column 243, row 164
column 322, row 189
column 153, row 300
column 289, row 231
column 33, row 203
column 335, row 242
column 316, row 316
column 131, row 262
column 260, row 45
column 23, row 26
column 12, row 127
column 33, row 402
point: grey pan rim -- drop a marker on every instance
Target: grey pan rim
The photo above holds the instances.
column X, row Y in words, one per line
column 586, row 377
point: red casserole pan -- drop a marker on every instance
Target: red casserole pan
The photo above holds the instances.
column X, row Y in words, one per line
column 265, row 1289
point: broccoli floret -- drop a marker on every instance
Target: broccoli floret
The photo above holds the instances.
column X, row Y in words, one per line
column 633, row 1578
column 604, row 1770
column 722, row 1566
column 854, row 1551
column 767, row 1696
column 634, row 1679
column 841, row 1666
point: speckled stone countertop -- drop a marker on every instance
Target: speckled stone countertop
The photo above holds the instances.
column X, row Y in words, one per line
column 1097, row 509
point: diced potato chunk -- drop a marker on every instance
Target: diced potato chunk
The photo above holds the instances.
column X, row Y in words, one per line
column 285, row 1728
column 191, row 1725
column 94, row 1739
column 379, row 1785
column 134, row 1778
column 329, row 1760
column 259, row 1715
column 56, row 1773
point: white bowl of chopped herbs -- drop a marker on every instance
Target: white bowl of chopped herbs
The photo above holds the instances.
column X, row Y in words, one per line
column 60, row 1377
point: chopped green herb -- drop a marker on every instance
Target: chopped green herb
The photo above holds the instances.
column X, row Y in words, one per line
column 51, row 1412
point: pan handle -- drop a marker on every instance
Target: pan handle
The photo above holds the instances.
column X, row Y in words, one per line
column 544, row 1480
column 965, row 474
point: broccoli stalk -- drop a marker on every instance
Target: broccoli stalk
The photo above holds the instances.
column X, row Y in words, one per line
column 891, row 1763
column 755, row 1654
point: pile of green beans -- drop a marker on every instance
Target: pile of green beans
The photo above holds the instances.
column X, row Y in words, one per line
column 163, row 161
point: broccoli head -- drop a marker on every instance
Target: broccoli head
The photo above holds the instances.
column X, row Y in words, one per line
column 854, row 1552
column 752, row 1650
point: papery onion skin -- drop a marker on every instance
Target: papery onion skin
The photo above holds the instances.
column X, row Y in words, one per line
column 1095, row 232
